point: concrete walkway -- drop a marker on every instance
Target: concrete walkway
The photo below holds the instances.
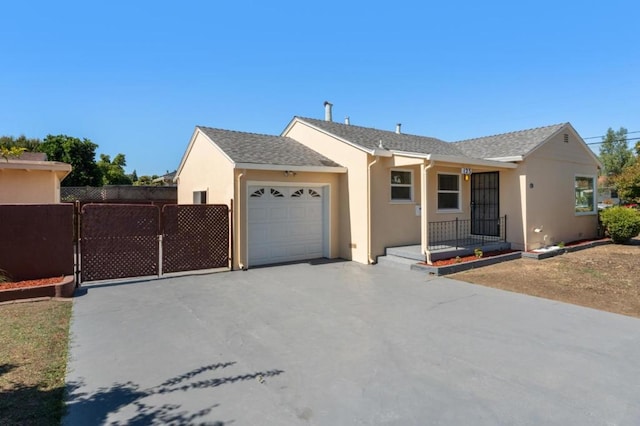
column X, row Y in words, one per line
column 345, row 344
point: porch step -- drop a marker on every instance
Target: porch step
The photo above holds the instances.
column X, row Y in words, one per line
column 407, row 252
column 396, row 262
column 466, row 251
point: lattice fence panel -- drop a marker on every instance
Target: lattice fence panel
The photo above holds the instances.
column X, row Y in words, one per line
column 119, row 241
column 195, row 237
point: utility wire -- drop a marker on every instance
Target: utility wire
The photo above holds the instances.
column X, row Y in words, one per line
column 595, row 137
column 598, row 143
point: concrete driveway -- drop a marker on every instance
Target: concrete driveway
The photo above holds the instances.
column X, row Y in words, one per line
column 345, row 344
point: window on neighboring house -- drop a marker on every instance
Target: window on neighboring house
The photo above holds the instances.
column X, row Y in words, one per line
column 448, row 192
column 199, row 197
column 585, row 188
column 401, row 185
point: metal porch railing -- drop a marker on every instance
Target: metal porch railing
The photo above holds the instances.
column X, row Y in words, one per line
column 466, row 232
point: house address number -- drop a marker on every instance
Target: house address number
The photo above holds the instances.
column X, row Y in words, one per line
column 466, row 171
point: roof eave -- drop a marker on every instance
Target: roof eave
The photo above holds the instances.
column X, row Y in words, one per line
column 53, row 166
column 459, row 159
column 509, row 158
column 192, row 141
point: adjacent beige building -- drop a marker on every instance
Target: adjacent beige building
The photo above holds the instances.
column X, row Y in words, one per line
column 333, row 190
column 31, row 179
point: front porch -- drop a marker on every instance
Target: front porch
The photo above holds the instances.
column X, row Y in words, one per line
column 447, row 250
column 459, row 237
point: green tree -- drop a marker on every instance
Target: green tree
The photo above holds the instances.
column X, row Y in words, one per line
column 147, row 180
column 79, row 153
column 627, row 183
column 29, row 144
column 615, row 154
column 113, row 171
column 10, row 152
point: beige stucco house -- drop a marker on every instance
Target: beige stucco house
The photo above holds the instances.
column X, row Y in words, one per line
column 31, row 179
column 327, row 189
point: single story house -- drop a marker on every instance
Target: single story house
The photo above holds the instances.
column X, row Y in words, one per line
column 30, row 178
column 336, row 190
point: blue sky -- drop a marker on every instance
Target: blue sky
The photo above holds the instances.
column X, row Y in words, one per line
column 136, row 77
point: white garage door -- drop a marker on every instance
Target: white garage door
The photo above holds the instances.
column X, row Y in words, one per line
column 285, row 224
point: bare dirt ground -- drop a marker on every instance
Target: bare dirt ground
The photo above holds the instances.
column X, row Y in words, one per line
column 605, row 277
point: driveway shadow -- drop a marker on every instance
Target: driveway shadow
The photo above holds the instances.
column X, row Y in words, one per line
column 94, row 408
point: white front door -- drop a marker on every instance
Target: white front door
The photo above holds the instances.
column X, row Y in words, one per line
column 285, row 223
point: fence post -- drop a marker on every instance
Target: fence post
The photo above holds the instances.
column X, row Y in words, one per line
column 457, row 236
column 231, row 234
column 505, row 228
column 160, row 254
column 76, row 223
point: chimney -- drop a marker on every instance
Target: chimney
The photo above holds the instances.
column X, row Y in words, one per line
column 327, row 111
column 398, row 128
column 346, row 121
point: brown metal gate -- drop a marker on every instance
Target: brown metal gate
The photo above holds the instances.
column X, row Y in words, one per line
column 194, row 237
column 118, row 241
column 122, row 241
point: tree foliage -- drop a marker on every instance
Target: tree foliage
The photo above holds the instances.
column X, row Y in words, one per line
column 146, row 180
column 627, row 183
column 79, row 153
column 113, row 171
column 615, row 154
column 29, row 144
column 10, row 152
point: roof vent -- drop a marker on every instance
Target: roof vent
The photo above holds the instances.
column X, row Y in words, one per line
column 347, row 121
column 327, row 111
column 398, row 128
column 566, row 138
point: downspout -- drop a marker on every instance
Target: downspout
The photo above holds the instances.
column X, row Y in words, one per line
column 424, row 219
column 241, row 265
column 371, row 260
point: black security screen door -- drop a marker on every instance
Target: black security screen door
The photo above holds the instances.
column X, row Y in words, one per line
column 485, row 204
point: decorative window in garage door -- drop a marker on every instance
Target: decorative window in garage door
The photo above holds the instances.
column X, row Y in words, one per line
column 258, row 193
column 276, row 193
column 301, row 192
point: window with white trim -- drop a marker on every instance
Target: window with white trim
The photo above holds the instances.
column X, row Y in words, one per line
column 585, row 189
column 401, row 185
column 199, row 197
column 448, row 192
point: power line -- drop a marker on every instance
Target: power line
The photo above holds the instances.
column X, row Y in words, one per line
column 598, row 143
column 595, row 137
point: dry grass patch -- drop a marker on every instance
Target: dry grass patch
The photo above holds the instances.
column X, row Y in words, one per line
column 33, row 357
column 604, row 277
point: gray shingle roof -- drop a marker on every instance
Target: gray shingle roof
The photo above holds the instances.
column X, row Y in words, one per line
column 33, row 156
column 255, row 148
column 507, row 144
column 370, row 138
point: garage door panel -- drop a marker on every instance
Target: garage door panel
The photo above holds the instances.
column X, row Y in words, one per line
column 297, row 212
column 278, row 213
column 278, row 233
column 284, row 228
column 258, row 214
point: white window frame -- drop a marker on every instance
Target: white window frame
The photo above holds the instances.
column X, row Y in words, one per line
column 199, row 195
column 401, row 185
column 446, row 191
column 594, row 199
